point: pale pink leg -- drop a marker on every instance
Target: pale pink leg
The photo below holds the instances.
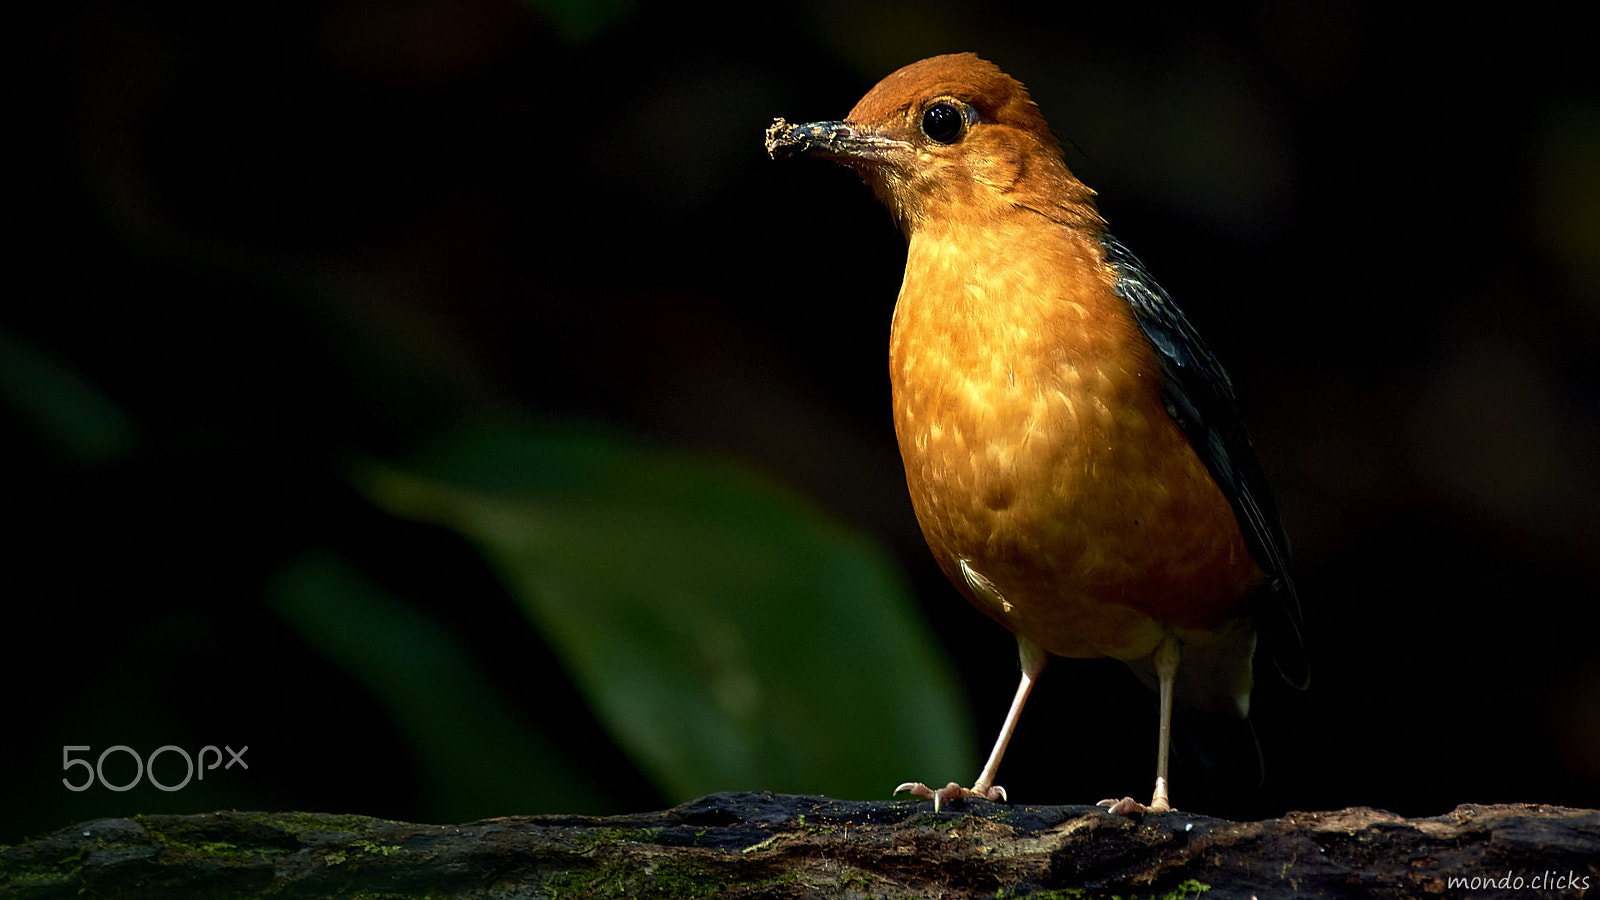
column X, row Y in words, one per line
column 1167, row 654
column 1033, row 660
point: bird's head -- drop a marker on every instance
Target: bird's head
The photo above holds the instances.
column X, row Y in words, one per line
column 948, row 138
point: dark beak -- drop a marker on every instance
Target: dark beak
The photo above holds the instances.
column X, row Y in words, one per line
column 841, row 141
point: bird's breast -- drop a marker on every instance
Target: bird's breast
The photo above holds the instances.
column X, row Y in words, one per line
column 1048, row 478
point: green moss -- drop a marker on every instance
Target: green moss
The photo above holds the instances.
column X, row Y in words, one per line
column 685, row 880
column 1189, row 888
column 54, row 873
column 669, row 879
column 859, row 881
column 940, row 823
column 187, row 838
column 299, row 824
column 191, row 838
column 601, row 837
column 376, row 849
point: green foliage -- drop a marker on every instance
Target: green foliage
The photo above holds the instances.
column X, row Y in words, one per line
column 729, row 635
column 61, row 405
column 581, row 21
column 479, row 756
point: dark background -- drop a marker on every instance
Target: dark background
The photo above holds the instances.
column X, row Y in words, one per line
column 273, row 236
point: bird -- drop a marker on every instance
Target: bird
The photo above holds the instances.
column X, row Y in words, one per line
column 1074, row 453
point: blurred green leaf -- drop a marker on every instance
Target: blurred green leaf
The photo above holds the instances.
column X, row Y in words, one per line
column 581, row 21
column 728, row 634
column 64, row 407
column 480, row 756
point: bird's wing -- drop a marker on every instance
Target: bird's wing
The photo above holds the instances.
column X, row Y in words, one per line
column 1199, row 397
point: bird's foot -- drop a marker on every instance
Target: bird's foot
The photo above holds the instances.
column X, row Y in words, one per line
column 1128, row 806
column 951, row 791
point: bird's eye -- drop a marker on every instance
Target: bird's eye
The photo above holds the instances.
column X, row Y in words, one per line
column 943, row 122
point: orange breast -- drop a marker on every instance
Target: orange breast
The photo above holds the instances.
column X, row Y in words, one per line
column 1049, row 480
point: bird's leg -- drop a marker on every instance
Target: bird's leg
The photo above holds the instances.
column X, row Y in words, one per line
column 1033, row 660
column 1167, row 654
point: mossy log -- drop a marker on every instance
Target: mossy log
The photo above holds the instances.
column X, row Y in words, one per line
column 749, row 845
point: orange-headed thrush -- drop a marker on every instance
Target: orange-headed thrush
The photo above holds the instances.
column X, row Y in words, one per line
column 1074, row 453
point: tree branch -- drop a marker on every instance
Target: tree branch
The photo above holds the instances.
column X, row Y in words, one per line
column 745, row 845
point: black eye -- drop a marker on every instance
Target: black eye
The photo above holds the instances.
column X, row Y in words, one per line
column 942, row 122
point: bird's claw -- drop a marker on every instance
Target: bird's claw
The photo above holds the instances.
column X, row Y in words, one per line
column 1128, row 806
column 951, row 791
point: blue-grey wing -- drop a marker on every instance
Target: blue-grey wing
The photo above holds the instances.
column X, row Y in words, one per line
column 1199, row 397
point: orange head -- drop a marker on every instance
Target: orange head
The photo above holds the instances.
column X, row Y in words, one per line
column 949, row 136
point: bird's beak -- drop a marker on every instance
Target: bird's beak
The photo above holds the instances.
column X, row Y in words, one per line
column 840, row 141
